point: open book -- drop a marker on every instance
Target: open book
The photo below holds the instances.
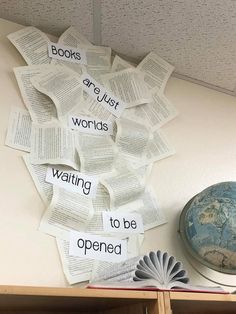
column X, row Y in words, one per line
column 156, row 271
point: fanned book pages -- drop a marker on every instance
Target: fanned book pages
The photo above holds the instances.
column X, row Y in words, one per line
column 157, row 271
column 163, row 268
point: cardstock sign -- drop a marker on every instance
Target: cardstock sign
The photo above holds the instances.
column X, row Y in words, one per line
column 96, row 247
column 73, row 181
column 101, row 95
column 122, row 222
column 67, row 53
column 90, row 125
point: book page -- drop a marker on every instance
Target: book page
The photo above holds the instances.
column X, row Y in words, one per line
column 129, row 86
column 62, row 85
column 155, row 114
column 67, row 211
column 76, row 269
column 40, row 106
column 53, row 145
column 76, row 67
column 32, row 45
column 122, row 165
column 100, row 203
column 72, row 37
column 38, row 175
column 120, row 64
column 156, row 71
column 148, row 208
column 19, row 129
column 96, row 72
column 122, row 271
column 96, row 55
column 96, row 153
column 93, row 108
column 123, row 187
column 146, row 270
column 157, row 149
column 131, row 138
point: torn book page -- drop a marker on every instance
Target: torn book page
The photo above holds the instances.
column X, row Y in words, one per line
column 38, row 175
column 132, row 138
column 100, row 203
column 149, row 209
column 96, row 153
column 53, row 145
column 40, row 106
column 106, row 271
column 124, row 187
column 32, row 45
column 76, row 269
column 67, row 211
column 94, row 109
column 72, row 37
column 120, row 64
column 157, row 149
column 155, row 114
column 96, row 72
column 19, row 129
column 156, row 71
column 63, row 86
column 129, row 86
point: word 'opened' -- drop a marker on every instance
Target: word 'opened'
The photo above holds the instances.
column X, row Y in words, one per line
column 97, row 247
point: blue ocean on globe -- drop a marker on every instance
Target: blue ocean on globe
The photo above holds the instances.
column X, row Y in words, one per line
column 208, row 227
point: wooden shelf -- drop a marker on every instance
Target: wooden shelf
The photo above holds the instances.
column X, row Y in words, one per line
column 45, row 300
column 193, row 303
column 79, row 300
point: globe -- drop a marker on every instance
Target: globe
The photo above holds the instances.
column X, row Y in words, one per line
column 208, row 227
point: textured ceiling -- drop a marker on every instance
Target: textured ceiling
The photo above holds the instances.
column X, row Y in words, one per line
column 196, row 36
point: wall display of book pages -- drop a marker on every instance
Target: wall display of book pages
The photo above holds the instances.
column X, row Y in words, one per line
column 91, row 130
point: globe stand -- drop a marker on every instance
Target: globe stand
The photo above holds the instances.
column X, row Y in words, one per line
column 223, row 279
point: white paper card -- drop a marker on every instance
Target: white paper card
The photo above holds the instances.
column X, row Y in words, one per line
column 96, row 247
column 122, row 222
column 67, row 53
column 73, row 181
column 90, row 125
column 102, row 96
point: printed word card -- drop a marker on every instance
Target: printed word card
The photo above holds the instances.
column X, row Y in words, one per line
column 66, row 53
column 122, row 222
column 96, row 247
column 90, row 125
column 73, row 181
column 101, row 95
